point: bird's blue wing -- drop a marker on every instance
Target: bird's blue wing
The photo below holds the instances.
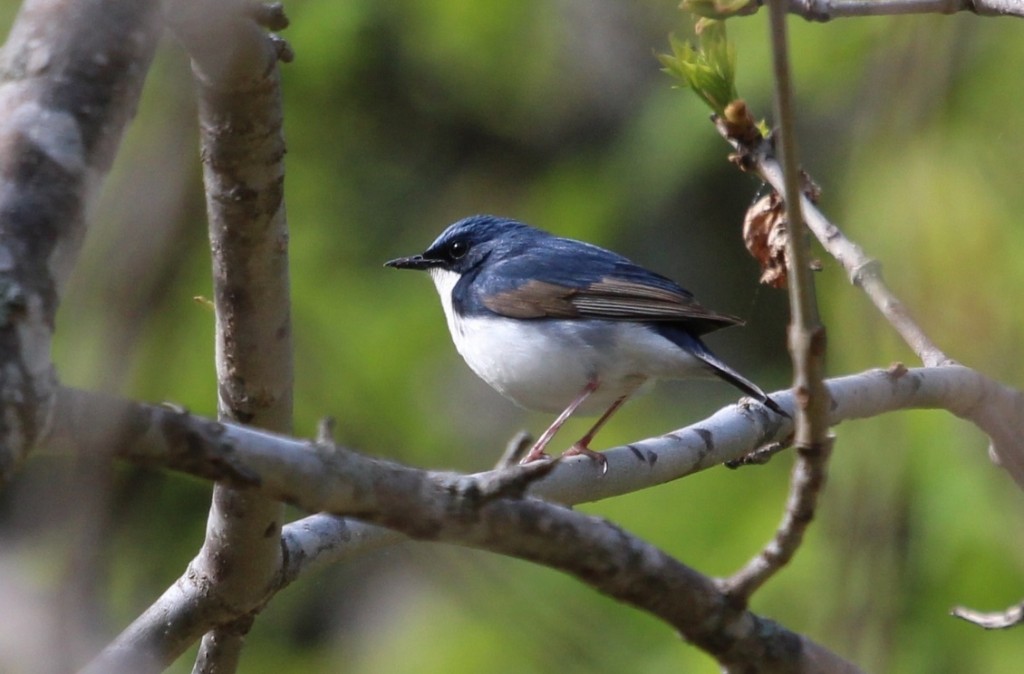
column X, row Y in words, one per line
column 573, row 280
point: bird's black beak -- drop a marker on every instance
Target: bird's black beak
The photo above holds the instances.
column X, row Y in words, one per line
column 414, row 262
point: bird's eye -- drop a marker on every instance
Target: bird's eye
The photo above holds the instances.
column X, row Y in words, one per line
column 458, row 249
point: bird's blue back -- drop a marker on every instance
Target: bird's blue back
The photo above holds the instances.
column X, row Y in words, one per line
column 513, row 254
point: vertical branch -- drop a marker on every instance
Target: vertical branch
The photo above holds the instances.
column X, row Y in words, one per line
column 806, row 333
column 242, row 144
column 806, row 346
column 71, row 75
column 70, row 78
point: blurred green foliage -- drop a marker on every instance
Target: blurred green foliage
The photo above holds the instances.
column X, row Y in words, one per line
column 403, row 116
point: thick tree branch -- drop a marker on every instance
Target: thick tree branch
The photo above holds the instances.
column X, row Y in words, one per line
column 240, row 120
column 319, row 479
column 487, row 511
column 157, row 435
column 70, row 78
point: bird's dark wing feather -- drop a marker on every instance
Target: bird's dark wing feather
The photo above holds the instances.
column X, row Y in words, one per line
column 576, row 280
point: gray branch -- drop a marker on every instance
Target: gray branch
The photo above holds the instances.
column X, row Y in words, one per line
column 242, row 143
column 807, row 347
column 319, row 478
column 70, row 78
column 486, row 511
column 865, row 272
column 759, row 156
column 998, row 620
column 827, row 10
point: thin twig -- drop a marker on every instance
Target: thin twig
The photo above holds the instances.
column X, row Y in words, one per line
column 998, row 620
column 806, row 333
column 516, row 448
column 826, row 10
column 759, row 456
column 863, row 271
column 807, row 349
column 806, row 482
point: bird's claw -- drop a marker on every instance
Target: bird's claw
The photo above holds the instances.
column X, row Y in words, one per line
column 580, row 450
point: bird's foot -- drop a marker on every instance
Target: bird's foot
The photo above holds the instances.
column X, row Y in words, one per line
column 582, row 450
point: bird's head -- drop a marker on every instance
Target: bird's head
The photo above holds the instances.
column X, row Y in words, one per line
column 465, row 245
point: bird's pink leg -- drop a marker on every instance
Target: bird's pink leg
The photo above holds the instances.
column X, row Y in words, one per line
column 537, row 451
column 582, row 446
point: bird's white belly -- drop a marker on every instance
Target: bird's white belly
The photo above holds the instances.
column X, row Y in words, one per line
column 542, row 366
column 545, row 364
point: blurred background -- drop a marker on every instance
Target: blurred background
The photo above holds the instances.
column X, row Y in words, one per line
column 403, row 116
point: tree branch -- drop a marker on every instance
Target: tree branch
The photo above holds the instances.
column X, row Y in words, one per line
column 161, row 435
column 807, row 347
column 999, row 620
column 240, row 114
column 1000, row 422
column 826, row 10
column 864, row 272
column 316, row 478
column 70, row 78
column 485, row 511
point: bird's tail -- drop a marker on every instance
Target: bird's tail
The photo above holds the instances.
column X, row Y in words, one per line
column 696, row 347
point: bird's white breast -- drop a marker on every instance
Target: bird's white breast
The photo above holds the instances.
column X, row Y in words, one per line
column 544, row 364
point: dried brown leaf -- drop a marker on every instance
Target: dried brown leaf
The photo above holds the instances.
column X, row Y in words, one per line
column 765, row 234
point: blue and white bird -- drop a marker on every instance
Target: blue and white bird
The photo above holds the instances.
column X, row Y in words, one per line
column 559, row 325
